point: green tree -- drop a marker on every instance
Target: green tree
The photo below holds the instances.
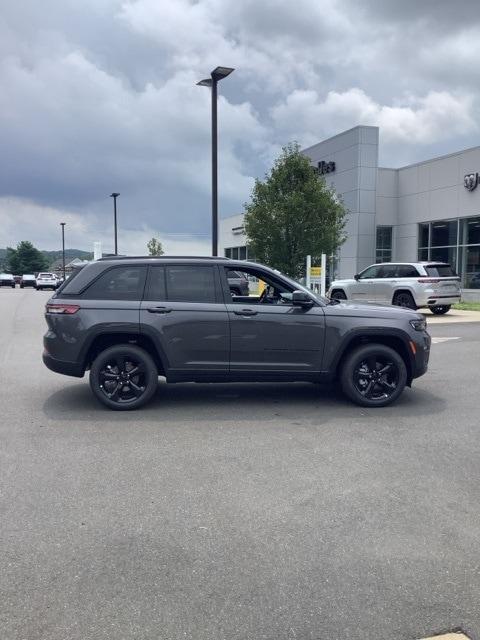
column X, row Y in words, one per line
column 155, row 248
column 293, row 213
column 26, row 259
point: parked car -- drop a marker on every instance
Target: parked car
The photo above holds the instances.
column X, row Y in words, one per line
column 7, row 280
column 413, row 285
column 238, row 283
column 130, row 320
column 46, row 280
column 28, row 280
column 17, row 279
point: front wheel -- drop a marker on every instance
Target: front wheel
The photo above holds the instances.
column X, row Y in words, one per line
column 373, row 375
column 123, row 377
column 440, row 309
column 338, row 294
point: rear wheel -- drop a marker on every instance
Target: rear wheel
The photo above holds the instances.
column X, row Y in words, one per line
column 440, row 309
column 123, row 377
column 404, row 299
column 373, row 375
column 338, row 294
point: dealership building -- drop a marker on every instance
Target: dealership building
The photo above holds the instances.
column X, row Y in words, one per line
column 425, row 211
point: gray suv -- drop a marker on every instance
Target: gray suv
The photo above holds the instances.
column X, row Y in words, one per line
column 130, row 320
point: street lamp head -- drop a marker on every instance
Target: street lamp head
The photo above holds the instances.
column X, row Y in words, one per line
column 221, row 72
column 63, row 224
column 114, row 195
column 207, row 82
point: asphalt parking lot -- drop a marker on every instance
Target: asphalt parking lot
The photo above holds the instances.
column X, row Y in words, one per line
column 237, row 511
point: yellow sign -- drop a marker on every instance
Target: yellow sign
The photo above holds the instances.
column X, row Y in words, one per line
column 316, row 271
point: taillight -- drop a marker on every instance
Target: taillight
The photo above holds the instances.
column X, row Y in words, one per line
column 431, row 280
column 62, row 309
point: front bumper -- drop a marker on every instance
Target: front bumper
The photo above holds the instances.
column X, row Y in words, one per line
column 421, row 354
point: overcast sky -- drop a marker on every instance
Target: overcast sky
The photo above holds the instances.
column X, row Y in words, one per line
column 100, row 95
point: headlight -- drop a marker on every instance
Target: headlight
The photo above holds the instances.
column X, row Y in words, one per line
column 419, row 325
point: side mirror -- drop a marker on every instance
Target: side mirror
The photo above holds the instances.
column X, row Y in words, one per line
column 356, row 276
column 301, row 299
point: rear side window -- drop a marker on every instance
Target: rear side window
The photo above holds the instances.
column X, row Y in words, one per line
column 190, row 283
column 407, row 271
column 388, row 271
column 119, row 283
column 440, row 271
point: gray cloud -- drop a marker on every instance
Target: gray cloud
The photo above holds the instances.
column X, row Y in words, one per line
column 101, row 96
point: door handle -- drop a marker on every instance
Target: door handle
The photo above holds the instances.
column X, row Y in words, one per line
column 245, row 312
column 159, row 310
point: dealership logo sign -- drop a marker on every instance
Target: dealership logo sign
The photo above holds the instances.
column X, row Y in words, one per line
column 470, row 181
column 324, row 167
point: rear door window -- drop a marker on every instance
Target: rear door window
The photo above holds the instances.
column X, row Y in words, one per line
column 118, row 283
column 440, row 271
column 407, row 271
column 388, row 271
column 190, row 283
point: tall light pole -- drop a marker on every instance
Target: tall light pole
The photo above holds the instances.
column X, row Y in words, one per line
column 217, row 74
column 62, row 224
column 115, row 196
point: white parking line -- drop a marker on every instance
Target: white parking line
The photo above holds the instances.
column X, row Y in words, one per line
column 439, row 340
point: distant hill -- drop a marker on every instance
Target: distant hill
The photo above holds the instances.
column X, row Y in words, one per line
column 70, row 254
column 55, row 255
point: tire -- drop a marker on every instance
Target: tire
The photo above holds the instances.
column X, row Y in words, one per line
column 235, row 292
column 356, row 375
column 338, row 294
column 440, row 310
column 404, row 299
column 114, row 385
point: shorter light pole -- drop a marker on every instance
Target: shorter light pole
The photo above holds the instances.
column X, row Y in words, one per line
column 115, row 196
column 62, row 224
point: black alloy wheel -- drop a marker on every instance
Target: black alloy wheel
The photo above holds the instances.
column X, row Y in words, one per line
column 339, row 295
column 440, row 309
column 404, row 299
column 123, row 377
column 374, row 375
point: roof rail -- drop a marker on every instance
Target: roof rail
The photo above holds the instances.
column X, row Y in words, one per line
column 104, row 258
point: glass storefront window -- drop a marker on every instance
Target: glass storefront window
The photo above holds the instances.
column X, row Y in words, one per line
column 470, row 267
column 423, row 255
column 444, row 254
column 423, row 235
column 470, row 231
column 384, row 244
column 444, row 233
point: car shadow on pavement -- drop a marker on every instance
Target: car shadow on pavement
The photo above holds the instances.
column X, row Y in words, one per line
column 238, row 402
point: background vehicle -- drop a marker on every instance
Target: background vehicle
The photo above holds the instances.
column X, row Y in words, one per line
column 7, row 280
column 17, row 279
column 28, row 280
column 238, row 283
column 413, row 285
column 130, row 320
column 46, row 280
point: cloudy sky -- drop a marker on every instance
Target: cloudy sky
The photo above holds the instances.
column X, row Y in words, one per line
column 100, row 96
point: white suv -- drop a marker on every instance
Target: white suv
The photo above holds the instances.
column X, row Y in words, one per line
column 414, row 284
column 46, row 281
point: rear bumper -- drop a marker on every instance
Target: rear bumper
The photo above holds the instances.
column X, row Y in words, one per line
column 61, row 366
column 443, row 300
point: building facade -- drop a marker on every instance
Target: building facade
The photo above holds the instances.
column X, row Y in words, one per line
column 425, row 211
